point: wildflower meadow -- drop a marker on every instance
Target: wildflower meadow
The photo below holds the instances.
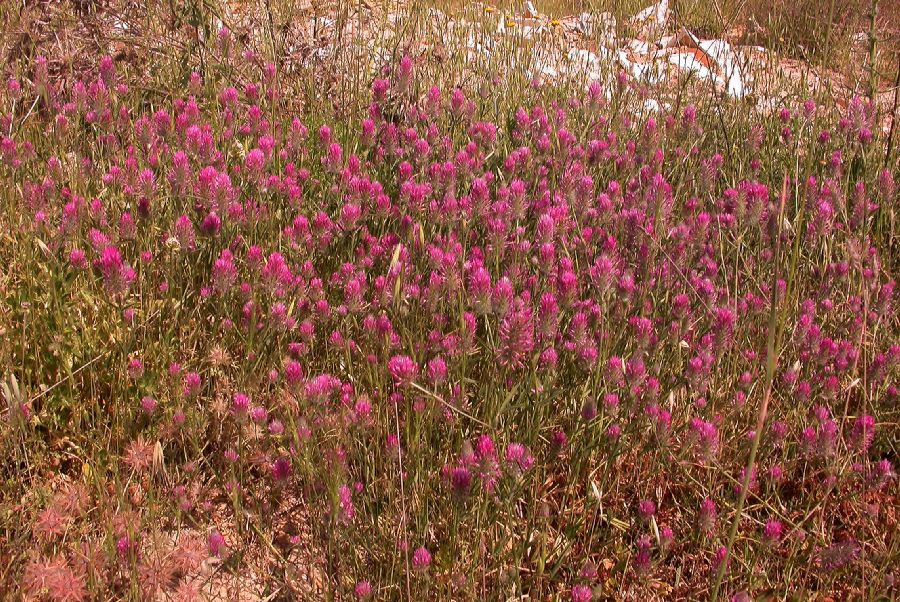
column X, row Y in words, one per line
column 441, row 333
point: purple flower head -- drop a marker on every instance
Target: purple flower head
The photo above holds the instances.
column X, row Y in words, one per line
column 484, row 447
column 240, row 405
column 460, row 480
column 776, row 473
column 582, row 593
column 772, row 531
column 107, row 70
column 588, row 571
column 863, row 433
column 211, row 224
column 362, row 409
column 135, row 369
column 838, row 554
column 380, row 88
column 820, row 440
column 405, row 72
column 666, row 538
column 259, row 414
column 346, row 510
column 647, row 509
column 363, row 590
column 125, row 547
column 516, row 336
column 641, row 561
column 707, row 516
column 403, row 369
column 706, row 438
column 13, row 88
column 721, row 556
column 518, row 458
column 589, row 410
column 148, row 404
column 78, row 259
column 611, row 403
column 217, row 546
column 558, row 442
column 184, row 233
column 293, row 373
column 614, row 432
column 437, row 371
column 281, row 469
column 421, row 560
column 117, row 275
column 882, row 474
column 191, row 384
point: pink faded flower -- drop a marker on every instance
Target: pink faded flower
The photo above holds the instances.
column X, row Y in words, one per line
column 346, row 511
column 191, row 384
column 518, row 458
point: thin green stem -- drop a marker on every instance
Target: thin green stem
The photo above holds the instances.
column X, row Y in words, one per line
column 771, row 362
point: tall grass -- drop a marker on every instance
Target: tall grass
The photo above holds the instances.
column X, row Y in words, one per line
column 385, row 322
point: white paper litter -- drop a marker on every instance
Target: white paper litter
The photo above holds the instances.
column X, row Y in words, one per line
column 587, row 61
column 651, row 72
column 557, row 54
column 639, row 46
column 651, row 105
column 724, row 56
column 686, row 61
column 651, row 21
column 658, row 13
column 585, row 25
column 600, row 27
